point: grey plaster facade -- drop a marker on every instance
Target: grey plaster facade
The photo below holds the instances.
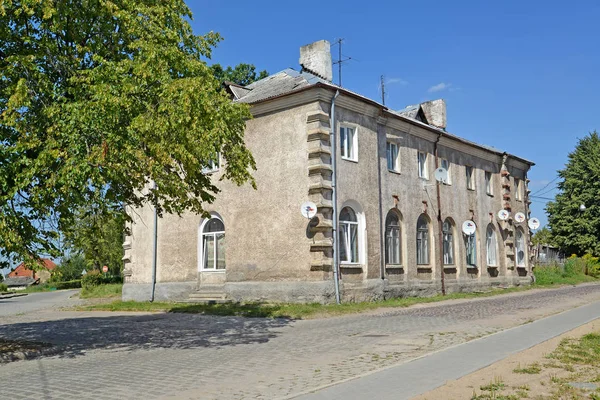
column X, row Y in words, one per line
column 272, row 253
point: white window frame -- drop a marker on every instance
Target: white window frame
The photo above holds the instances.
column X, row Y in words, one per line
column 518, row 189
column 214, row 166
column 395, row 158
column 444, row 163
column 469, row 177
column 201, row 252
column 423, row 239
column 389, row 245
column 349, row 148
column 489, row 190
column 520, row 246
column 359, row 224
column 448, row 242
column 491, row 246
column 471, row 244
column 422, row 167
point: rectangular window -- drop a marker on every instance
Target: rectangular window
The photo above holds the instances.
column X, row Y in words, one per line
column 392, row 157
column 469, row 176
column 471, row 249
column 348, row 143
column 517, row 189
column 488, row 183
column 422, row 160
column 213, row 165
column 446, row 165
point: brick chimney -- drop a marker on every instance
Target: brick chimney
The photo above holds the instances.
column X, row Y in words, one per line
column 435, row 112
column 316, row 59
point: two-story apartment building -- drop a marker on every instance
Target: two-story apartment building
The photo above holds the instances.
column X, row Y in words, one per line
column 370, row 171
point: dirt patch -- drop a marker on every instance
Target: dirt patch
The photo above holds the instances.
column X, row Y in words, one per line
column 534, row 373
column 13, row 350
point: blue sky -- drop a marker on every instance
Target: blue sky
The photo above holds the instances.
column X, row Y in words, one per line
column 517, row 75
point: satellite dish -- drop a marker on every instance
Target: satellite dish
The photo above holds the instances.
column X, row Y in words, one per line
column 503, row 215
column 533, row 223
column 468, row 227
column 441, row 175
column 519, row 217
column 308, row 209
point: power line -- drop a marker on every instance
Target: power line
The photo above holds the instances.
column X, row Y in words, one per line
column 548, row 184
column 539, row 197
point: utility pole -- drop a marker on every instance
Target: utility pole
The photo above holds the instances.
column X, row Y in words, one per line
column 340, row 60
column 382, row 90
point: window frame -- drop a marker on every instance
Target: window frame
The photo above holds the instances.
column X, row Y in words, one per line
column 346, row 236
column 489, row 189
column 389, row 240
column 448, row 168
column 469, row 177
column 520, row 245
column 216, row 251
column 353, row 149
column 422, row 171
column 471, row 244
column 215, row 165
column 422, row 236
column 396, row 159
column 491, row 241
column 448, row 242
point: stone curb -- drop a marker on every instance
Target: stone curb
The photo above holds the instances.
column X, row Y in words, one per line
column 9, row 296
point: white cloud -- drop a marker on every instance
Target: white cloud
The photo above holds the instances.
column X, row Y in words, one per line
column 399, row 81
column 439, row 87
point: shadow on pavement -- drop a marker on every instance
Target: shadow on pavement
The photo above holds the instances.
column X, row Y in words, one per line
column 74, row 336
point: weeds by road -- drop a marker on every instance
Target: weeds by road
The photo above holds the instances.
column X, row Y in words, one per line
column 112, row 290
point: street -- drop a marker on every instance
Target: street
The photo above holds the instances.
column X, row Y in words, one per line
column 36, row 302
column 102, row 355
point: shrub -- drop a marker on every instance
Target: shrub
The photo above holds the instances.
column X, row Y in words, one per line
column 91, row 279
column 3, row 287
column 74, row 284
column 95, row 278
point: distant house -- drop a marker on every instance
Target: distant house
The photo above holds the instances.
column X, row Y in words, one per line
column 21, row 277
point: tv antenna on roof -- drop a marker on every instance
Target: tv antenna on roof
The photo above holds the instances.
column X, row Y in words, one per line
column 340, row 61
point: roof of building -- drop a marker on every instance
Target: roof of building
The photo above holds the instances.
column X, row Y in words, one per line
column 289, row 81
column 19, row 281
column 21, row 270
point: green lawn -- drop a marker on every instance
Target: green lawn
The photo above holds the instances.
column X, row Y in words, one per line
column 111, row 290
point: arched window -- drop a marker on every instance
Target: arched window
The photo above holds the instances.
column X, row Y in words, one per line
column 491, row 246
column 448, row 236
column 520, row 247
column 348, row 241
column 471, row 249
column 213, row 244
column 392, row 239
column 422, row 240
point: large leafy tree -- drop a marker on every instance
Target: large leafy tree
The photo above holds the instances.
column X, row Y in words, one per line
column 242, row 74
column 99, row 100
column 573, row 230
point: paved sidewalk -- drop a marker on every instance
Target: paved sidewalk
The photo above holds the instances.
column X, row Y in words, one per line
column 151, row 356
column 413, row 378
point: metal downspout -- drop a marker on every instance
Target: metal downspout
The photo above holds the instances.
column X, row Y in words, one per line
column 381, row 217
column 439, row 218
column 336, row 281
column 154, row 251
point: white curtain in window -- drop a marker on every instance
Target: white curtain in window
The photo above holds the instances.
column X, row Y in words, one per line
column 392, row 239
column 520, row 248
column 213, row 244
column 471, row 249
column 448, row 236
column 422, row 241
column 490, row 246
column 348, row 228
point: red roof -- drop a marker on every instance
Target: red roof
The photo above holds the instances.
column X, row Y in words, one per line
column 22, row 271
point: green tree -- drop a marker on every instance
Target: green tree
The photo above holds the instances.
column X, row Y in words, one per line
column 98, row 100
column 573, row 230
column 543, row 236
column 98, row 237
column 242, row 74
column 72, row 266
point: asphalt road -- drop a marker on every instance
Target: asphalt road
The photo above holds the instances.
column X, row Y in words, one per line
column 37, row 302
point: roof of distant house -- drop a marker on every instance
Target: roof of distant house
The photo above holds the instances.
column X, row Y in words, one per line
column 19, row 281
column 23, row 271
